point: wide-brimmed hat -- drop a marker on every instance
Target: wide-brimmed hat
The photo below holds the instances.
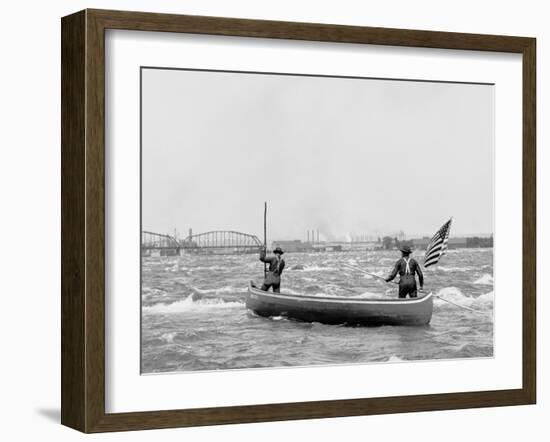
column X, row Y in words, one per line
column 405, row 249
column 278, row 250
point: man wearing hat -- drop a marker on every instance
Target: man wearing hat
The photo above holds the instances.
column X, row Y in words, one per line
column 407, row 267
column 276, row 266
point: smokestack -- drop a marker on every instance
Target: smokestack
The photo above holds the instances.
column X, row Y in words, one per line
column 190, row 233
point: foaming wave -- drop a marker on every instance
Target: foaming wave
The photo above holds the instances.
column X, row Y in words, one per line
column 456, row 269
column 152, row 291
column 277, row 318
column 485, row 279
column 213, row 268
column 173, row 267
column 308, row 279
column 372, row 295
column 487, row 298
column 169, row 337
column 184, row 334
column 454, row 294
column 291, row 291
column 218, row 291
column 189, row 305
column 317, row 268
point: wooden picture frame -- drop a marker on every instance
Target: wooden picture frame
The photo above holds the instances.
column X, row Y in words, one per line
column 83, row 220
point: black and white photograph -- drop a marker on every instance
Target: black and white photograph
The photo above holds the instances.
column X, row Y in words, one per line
column 252, row 221
column 296, row 220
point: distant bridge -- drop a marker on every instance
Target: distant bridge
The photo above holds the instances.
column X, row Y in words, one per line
column 158, row 241
column 221, row 239
column 217, row 241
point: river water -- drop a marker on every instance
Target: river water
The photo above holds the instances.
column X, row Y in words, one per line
column 194, row 316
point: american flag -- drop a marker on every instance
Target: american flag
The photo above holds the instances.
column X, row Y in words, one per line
column 438, row 244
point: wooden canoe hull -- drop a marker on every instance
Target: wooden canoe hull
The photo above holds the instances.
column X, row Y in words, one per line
column 349, row 311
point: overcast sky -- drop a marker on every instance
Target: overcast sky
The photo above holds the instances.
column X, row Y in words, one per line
column 345, row 156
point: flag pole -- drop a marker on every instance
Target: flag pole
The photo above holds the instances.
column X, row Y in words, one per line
column 265, row 236
column 433, row 254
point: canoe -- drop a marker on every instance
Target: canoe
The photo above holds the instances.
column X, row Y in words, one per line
column 341, row 310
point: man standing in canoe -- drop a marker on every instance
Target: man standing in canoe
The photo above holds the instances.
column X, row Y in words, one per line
column 407, row 267
column 276, row 266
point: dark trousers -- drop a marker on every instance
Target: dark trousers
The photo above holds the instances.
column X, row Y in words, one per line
column 407, row 286
column 276, row 287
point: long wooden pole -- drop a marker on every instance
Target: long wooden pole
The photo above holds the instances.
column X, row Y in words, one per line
column 435, row 296
column 368, row 273
column 265, row 236
column 458, row 305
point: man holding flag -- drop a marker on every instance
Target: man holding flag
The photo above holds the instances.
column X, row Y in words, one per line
column 407, row 267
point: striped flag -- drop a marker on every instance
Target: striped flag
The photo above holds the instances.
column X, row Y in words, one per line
column 438, row 245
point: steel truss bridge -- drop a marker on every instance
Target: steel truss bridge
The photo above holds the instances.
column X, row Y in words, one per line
column 158, row 241
column 217, row 241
